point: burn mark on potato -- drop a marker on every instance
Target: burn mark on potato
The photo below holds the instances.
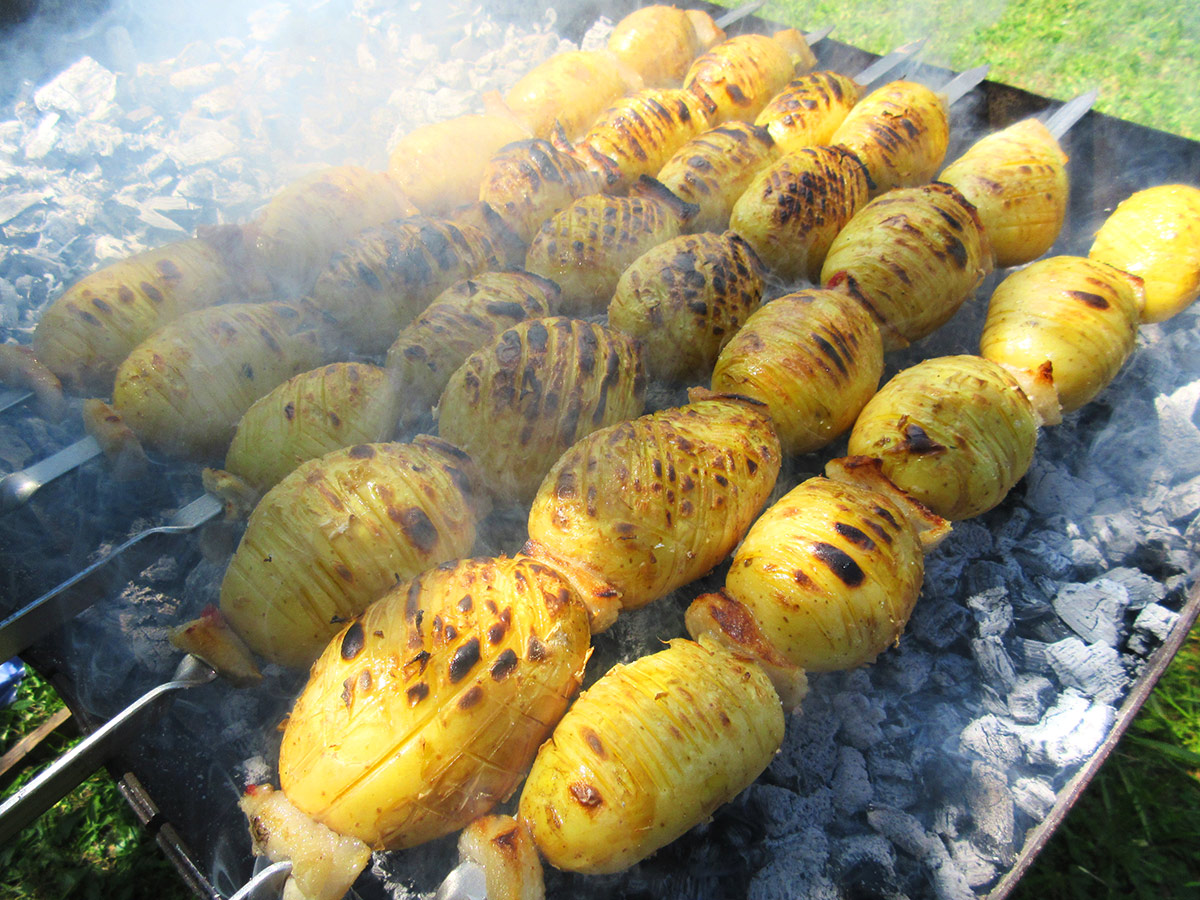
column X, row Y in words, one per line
column 1095, row 301
column 361, row 451
column 497, row 632
column 471, row 697
column 353, row 641
column 840, row 563
column 417, row 693
column 417, row 527
column 537, row 650
column 368, row 277
column 417, row 663
column 364, row 680
column 917, row 441
column 507, row 842
column 152, row 293
column 503, row 665
column 289, row 410
column 585, row 795
column 505, row 309
column 466, row 604
column 464, row 660
column 855, row 536
column 348, row 692
column 594, row 743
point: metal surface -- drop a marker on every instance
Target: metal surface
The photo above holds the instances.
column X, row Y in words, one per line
column 1063, row 118
column 17, row 487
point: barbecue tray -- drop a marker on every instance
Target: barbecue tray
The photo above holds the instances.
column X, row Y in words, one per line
column 184, row 775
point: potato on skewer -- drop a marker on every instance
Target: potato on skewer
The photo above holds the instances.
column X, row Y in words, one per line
column 661, row 42
column 809, row 110
column 742, row 74
column 427, row 709
column 1155, row 235
column 639, row 509
column 685, row 299
column 650, row 750
column 813, row 357
column 337, row 532
column 517, row 403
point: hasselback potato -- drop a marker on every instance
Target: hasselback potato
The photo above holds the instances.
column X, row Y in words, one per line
column 1072, row 317
column 426, row 710
column 900, row 131
column 794, row 208
column 570, row 89
column 1017, row 180
column 527, row 182
column 586, row 247
column 638, row 509
column 85, row 334
column 911, row 257
column 714, row 168
column 1155, row 235
column 385, row 277
column 956, row 433
column 660, row 42
column 517, row 403
column 337, row 532
column 741, row 74
column 184, row 388
column 463, row 318
column 309, row 415
column 813, row 357
column 685, row 298
column 504, row 849
column 809, row 109
column 647, row 752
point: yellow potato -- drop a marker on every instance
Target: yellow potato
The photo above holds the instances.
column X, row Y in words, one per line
column 337, row 532
column 503, row 847
column 572, row 89
column 813, row 357
column 1155, row 235
column 660, row 42
column 184, row 388
column 427, row 709
column 517, row 403
column 809, row 109
column 741, row 74
column 685, row 299
column 648, row 752
column 955, row 432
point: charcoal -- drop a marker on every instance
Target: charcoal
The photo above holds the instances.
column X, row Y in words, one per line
column 868, row 864
column 939, row 622
column 969, row 540
column 992, row 611
column 12, row 205
column 84, row 89
column 860, row 718
column 984, row 574
column 907, row 833
column 1008, row 533
column 991, row 807
column 1095, row 610
column 1069, row 733
column 905, row 668
column 1033, row 797
column 995, row 666
column 1045, row 553
column 1178, row 446
column 1151, row 628
column 1029, row 698
column 1052, row 490
column 993, row 740
column 977, row 870
column 952, row 675
column 796, row 869
column 851, row 784
column 39, row 142
column 1093, row 669
column 892, row 780
column 1182, row 501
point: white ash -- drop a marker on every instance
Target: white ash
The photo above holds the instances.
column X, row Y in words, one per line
column 1029, row 698
column 1094, row 610
column 1033, row 797
column 1151, row 627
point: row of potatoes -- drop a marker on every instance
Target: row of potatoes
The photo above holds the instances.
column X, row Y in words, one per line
column 458, row 657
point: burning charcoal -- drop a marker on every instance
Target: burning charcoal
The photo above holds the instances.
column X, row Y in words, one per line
column 1182, row 501
column 1152, row 626
column 1095, row 610
column 892, row 780
column 783, row 813
column 1051, row 490
column 1044, row 553
column 1008, row 534
column 1126, row 538
column 1069, row 733
column 1179, row 441
column 809, row 756
column 938, row 621
column 12, row 205
column 991, row 808
column 38, row 144
column 860, row 719
column 995, row 665
column 993, row 740
column 868, row 864
column 904, row 668
column 851, row 785
column 1093, row 669
column 203, row 149
column 1033, row 797
column 1029, row 698
column 796, row 869
column 992, row 611
column 952, row 674
column 907, row 833
column 85, row 89
column 977, row 870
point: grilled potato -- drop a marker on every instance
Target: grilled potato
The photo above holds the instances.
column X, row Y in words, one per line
column 900, row 131
column 1017, row 180
column 741, row 74
column 309, row 415
column 183, row 389
column 1155, row 235
column 1075, row 317
column 527, row 182
column 911, row 258
column 294, row 236
column 713, row 169
column 340, row 530
column 813, row 357
column 439, row 166
column 955, row 432
column 685, row 299
column 386, row 276
column 829, row 576
column 660, row 42
column 794, row 208
column 503, row 847
column 426, row 710
column 586, row 247
column 640, row 132
column 650, row 750
column 516, row 404
column 463, row 318
column 638, row 509
column 87, row 332
column 572, row 89
column 809, row 110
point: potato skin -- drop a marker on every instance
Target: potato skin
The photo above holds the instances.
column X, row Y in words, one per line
column 813, row 357
column 829, row 573
column 184, row 388
column 639, row 509
column 955, row 432
column 1155, row 235
column 1077, row 315
column 84, row 335
column 685, row 299
column 809, row 109
column 570, row 88
column 660, row 42
column 648, row 752
column 741, row 74
column 309, row 415
column 427, row 709
column 337, row 532
column 516, row 404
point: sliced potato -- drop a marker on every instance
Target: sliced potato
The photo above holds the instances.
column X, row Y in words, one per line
column 504, row 849
column 660, row 42
column 741, row 74
column 572, row 89
column 809, row 110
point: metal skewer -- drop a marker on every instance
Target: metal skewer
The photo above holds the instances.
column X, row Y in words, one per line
column 17, row 487
column 266, row 883
column 961, row 85
column 10, row 397
column 735, row 15
column 1061, row 120
column 886, row 64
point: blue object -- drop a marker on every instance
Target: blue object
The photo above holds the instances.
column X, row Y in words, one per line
column 11, row 675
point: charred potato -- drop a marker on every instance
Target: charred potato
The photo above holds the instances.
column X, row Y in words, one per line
column 503, row 848
column 516, row 404
column 337, row 532
column 646, row 753
column 685, row 299
column 809, row 110
column 741, row 74
column 427, row 709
